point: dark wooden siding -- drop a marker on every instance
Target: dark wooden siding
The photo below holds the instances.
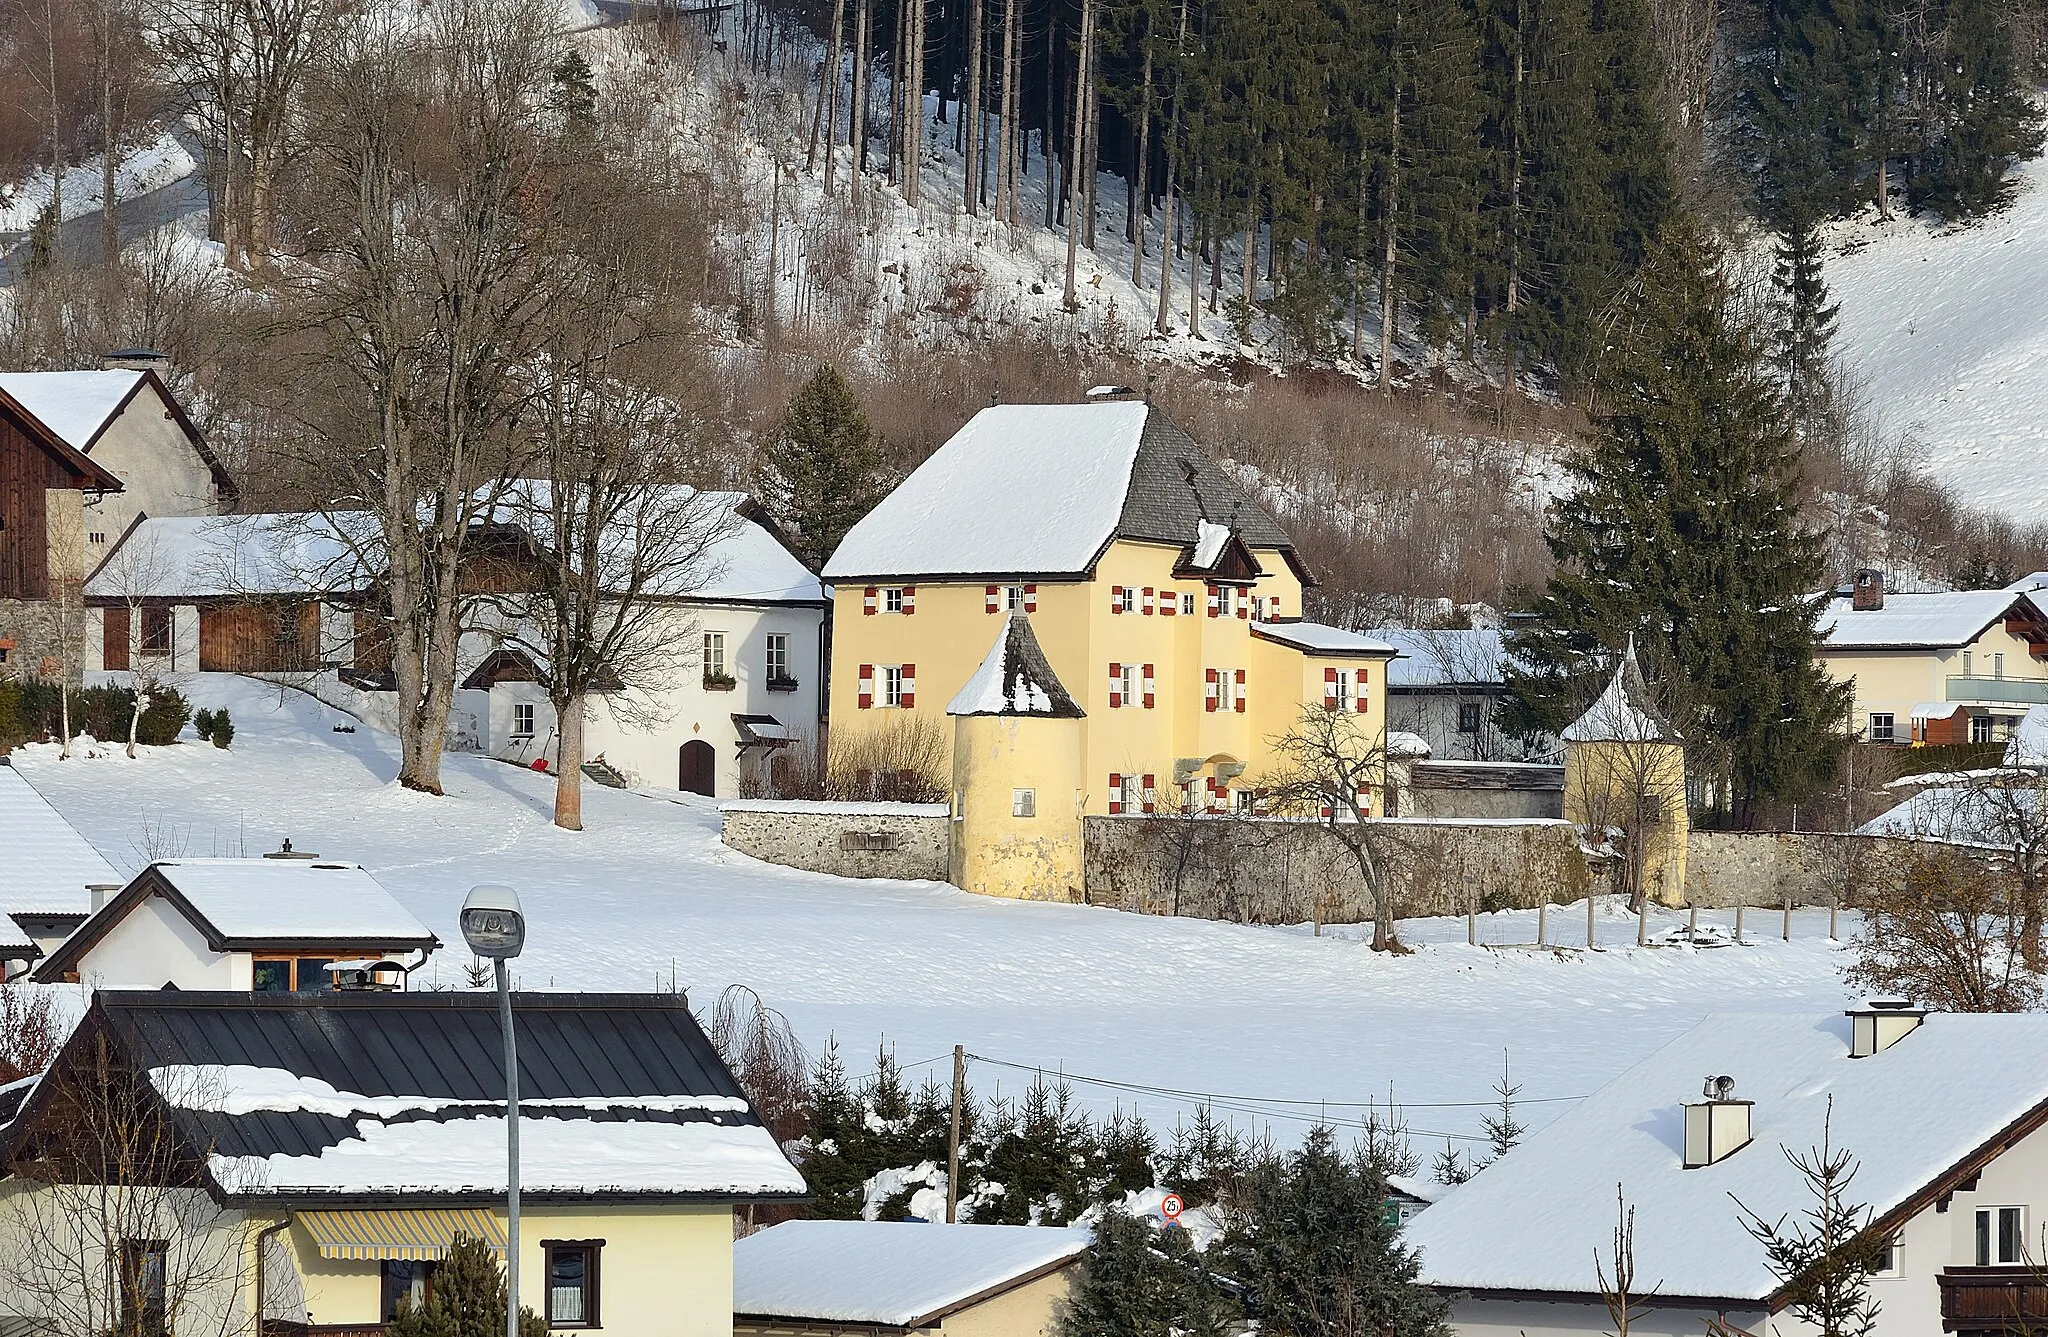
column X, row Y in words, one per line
column 25, row 471
column 259, row 637
column 114, row 655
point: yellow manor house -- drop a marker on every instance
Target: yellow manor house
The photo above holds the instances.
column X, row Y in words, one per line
column 1143, row 611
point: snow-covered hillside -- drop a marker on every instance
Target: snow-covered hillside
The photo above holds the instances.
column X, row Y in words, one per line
column 648, row 894
column 1948, row 331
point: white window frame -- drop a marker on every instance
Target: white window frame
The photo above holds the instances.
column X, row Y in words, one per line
column 891, row 685
column 1998, row 663
column 1226, row 691
column 1024, row 803
column 522, row 719
column 1187, row 605
column 776, row 655
column 1126, row 598
column 1890, row 732
column 1130, row 684
column 1982, row 729
column 1893, row 1261
column 1343, row 691
column 714, row 654
column 892, row 599
column 1988, row 1236
column 1226, row 596
column 1013, row 598
column 1966, row 663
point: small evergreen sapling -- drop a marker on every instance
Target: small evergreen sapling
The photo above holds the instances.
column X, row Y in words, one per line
column 1825, row 1255
column 468, row 1299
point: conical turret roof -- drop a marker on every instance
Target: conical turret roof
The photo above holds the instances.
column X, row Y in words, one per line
column 1625, row 712
column 1015, row 679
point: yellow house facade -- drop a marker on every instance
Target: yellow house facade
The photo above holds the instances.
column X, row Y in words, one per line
column 1162, row 597
column 1624, row 782
column 1959, row 666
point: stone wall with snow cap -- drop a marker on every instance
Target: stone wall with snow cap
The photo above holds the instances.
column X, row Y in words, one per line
column 896, row 840
column 1808, row 868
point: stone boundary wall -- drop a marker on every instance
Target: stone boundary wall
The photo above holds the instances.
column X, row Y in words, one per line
column 899, row 840
column 1267, row 871
column 1811, row 868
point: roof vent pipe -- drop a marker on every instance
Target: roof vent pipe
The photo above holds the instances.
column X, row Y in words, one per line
column 1717, row 1127
column 285, row 851
column 1879, row 1023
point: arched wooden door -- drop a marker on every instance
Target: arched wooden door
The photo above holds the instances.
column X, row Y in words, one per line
column 697, row 769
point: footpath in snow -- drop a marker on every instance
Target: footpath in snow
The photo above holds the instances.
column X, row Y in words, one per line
column 648, row 895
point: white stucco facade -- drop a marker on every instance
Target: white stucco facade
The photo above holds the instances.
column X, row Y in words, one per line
column 154, row 946
column 161, row 470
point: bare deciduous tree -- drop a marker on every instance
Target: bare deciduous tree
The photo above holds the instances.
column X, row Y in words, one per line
column 1616, row 1273
column 1949, row 934
column 1333, row 766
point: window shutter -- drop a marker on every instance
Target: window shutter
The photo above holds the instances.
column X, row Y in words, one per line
column 1116, row 598
column 1151, row 794
column 1168, row 603
column 910, row 686
column 1209, row 677
column 1116, row 794
column 1031, row 598
column 867, row 601
column 1364, row 801
column 909, row 599
column 1116, row 686
column 1148, row 687
column 1326, row 812
column 1215, row 601
column 1330, row 681
column 1147, row 605
column 1240, row 691
column 1244, row 608
column 1273, row 607
column 989, row 599
column 867, row 685
column 1360, row 701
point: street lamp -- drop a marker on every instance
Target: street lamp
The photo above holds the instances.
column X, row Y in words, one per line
column 495, row 928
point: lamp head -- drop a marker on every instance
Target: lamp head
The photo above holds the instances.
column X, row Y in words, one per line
column 492, row 922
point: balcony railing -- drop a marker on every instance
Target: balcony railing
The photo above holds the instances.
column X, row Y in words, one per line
column 1987, row 1300
column 2014, row 691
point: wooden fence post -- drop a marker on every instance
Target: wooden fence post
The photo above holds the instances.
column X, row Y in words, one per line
column 1542, row 910
column 1471, row 924
column 1589, row 921
column 1788, row 919
column 1834, row 908
column 1738, row 921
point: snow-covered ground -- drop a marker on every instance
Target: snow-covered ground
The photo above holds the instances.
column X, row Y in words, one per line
column 648, row 895
column 150, row 165
column 1948, row 330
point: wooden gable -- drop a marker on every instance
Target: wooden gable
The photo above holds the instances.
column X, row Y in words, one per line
column 32, row 463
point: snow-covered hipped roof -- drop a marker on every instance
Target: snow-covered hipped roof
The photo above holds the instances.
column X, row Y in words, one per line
column 1015, row 679
column 1444, row 658
column 1920, row 621
column 902, row 1274
column 1316, row 638
column 1041, row 489
column 1624, row 712
column 75, row 405
column 48, row 865
column 253, row 904
column 1914, row 1115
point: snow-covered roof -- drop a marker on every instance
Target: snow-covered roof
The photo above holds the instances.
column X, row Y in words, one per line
column 1041, row 489
column 74, row 405
column 1534, row 1220
column 1441, row 658
column 1015, row 678
column 1918, row 621
column 1984, row 813
column 1624, row 712
column 1315, row 638
column 48, row 865
column 1407, row 746
column 1209, row 541
column 224, row 556
column 2028, row 745
column 898, row 1273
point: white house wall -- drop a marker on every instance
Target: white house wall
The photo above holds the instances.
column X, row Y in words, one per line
column 154, row 945
column 160, row 472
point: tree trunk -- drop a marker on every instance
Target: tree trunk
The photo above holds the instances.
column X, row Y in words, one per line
column 1078, row 158
column 1140, row 173
column 1090, row 172
column 1164, row 323
column 913, row 106
column 971, row 151
column 825, row 121
column 1195, row 282
column 1389, row 314
column 569, row 763
column 1052, row 57
column 110, row 222
column 857, row 134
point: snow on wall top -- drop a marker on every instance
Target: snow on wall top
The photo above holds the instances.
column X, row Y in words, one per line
column 216, row 556
column 1022, row 489
column 74, row 405
column 1318, row 639
column 1920, row 621
column 899, row 1273
column 48, row 865
column 1442, row 658
column 1534, row 1219
column 292, row 899
column 1015, row 679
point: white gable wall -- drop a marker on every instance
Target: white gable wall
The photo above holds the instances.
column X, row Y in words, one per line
column 1539, row 1318
column 154, row 945
column 161, row 472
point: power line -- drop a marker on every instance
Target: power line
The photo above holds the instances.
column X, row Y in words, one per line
column 1217, row 1097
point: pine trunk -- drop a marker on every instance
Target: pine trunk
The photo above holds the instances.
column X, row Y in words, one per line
column 1164, row 323
column 825, row 121
column 1135, row 216
column 1079, row 156
column 110, row 222
column 1195, row 283
column 857, row 134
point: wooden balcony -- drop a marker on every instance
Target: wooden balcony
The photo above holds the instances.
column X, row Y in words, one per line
column 1988, row 1300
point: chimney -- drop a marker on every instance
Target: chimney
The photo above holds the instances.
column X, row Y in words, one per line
column 1867, row 595
column 1879, row 1023
column 285, row 851
column 135, row 359
column 1716, row 1127
column 100, row 891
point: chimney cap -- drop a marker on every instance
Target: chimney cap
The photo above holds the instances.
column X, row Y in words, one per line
column 1901, row 1006
column 285, row 851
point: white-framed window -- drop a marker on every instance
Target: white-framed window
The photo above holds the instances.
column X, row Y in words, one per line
column 2001, row 1236
column 1884, row 727
column 1892, row 1262
column 1023, row 803
column 1998, row 664
column 1124, row 599
column 778, row 656
column 1013, row 598
column 714, row 654
column 892, row 600
column 1982, row 729
column 1966, row 663
column 1242, row 800
column 1128, row 686
column 1226, row 601
column 1226, row 690
column 1187, row 605
column 1133, row 796
column 522, row 719
column 892, row 684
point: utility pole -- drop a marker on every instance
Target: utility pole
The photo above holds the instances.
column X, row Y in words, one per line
column 953, row 1143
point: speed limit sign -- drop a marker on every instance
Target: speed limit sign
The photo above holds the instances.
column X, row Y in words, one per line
column 1170, row 1206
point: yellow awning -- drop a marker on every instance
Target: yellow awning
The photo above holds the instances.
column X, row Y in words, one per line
column 423, row 1234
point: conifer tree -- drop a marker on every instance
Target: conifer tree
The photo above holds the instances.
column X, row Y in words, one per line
column 824, row 467
column 839, row 1159
column 1824, row 1254
column 1684, row 531
column 1986, row 122
column 467, row 1299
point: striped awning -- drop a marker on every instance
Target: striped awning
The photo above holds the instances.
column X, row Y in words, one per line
column 423, row 1234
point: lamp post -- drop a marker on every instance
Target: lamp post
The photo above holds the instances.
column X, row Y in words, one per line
column 495, row 928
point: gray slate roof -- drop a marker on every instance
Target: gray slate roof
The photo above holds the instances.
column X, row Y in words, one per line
column 1175, row 482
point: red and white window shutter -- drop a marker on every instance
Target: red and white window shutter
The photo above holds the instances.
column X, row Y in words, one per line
column 1116, row 686
column 1116, row 794
column 1031, row 598
column 909, row 599
column 1149, row 698
column 1213, row 685
column 990, row 599
column 867, row 686
column 868, row 599
column 1331, row 681
column 1169, row 603
column 1240, row 691
column 1146, row 604
column 1360, row 701
column 910, row 686
column 1215, row 600
column 1151, row 794
column 1244, row 608
column 1116, row 598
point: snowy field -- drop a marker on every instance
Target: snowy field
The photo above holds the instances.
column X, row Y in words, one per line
column 647, row 894
column 1948, row 330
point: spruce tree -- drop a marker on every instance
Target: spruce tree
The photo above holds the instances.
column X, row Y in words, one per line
column 1986, row 120
column 1684, row 531
column 467, row 1299
column 824, row 467
column 840, row 1157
